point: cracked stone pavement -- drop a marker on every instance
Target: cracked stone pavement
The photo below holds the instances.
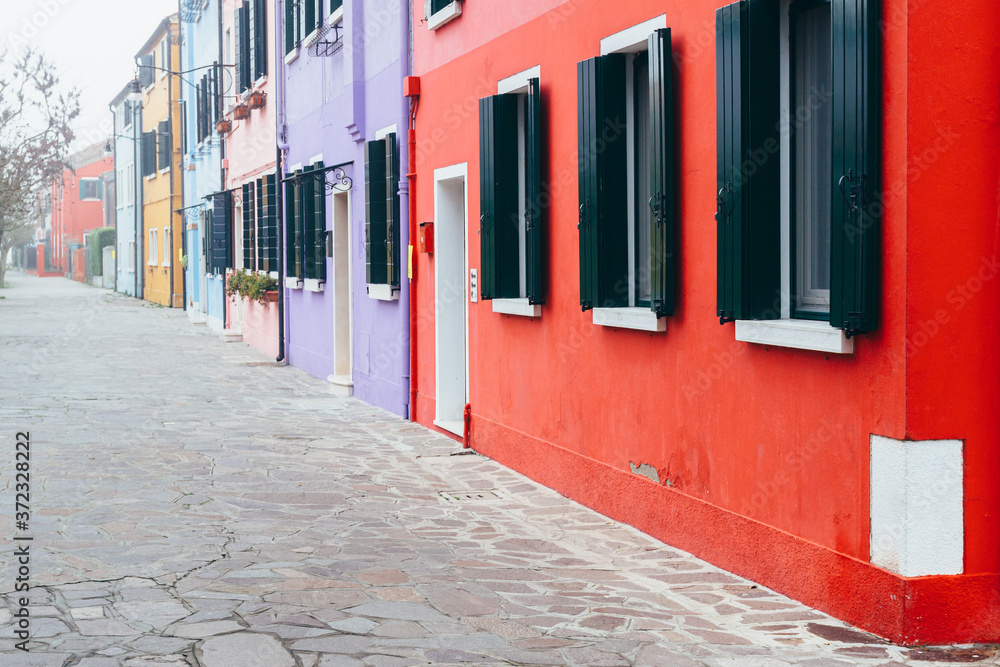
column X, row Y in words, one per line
column 194, row 503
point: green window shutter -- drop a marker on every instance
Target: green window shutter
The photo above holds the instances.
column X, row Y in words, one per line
column 310, row 15
column 260, row 32
column 663, row 204
column 748, row 216
column 498, row 220
column 165, row 149
column 375, row 214
column 535, row 212
column 392, row 271
column 248, row 226
column 307, row 222
column 246, row 61
column 238, row 39
column 289, row 26
column 855, row 251
column 318, row 237
column 603, row 222
column 260, row 225
column 292, row 268
column 271, row 224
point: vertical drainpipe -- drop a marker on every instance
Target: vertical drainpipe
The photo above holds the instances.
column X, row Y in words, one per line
column 170, row 124
column 222, row 156
column 410, row 108
column 280, row 149
column 140, row 212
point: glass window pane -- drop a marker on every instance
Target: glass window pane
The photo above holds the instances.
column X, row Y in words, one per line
column 812, row 118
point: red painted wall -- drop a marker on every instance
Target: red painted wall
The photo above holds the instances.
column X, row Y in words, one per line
column 72, row 218
column 765, row 450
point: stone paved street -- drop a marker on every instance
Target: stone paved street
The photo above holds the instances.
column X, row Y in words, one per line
column 194, row 503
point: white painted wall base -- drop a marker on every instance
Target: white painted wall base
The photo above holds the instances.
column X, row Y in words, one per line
column 917, row 518
column 341, row 385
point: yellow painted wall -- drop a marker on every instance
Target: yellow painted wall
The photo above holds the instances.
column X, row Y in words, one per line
column 162, row 194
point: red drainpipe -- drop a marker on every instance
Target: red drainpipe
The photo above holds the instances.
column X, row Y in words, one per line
column 411, row 89
column 467, row 433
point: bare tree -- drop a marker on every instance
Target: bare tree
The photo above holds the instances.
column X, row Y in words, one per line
column 35, row 134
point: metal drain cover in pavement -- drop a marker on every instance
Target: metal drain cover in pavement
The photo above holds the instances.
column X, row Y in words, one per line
column 469, row 496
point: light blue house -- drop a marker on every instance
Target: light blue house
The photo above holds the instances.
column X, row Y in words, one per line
column 125, row 145
column 202, row 86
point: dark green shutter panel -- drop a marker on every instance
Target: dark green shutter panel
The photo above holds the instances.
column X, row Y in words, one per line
column 307, row 223
column 289, row 26
column 270, row 223
column 392, row 210
column 535, row 212
column 248, row 226
column 246, row 64
column 292, row 266
column 855, row 249
column 335, row 5
column 375, row 213
column 748, row 216
column 310, row 15
column 260, row 35
column 220, row 233
column 498, row 188
column 260, row 225
column 603, row 220
column 238, row 39
column 662, row 203
column 165, row 149
column 318, row 237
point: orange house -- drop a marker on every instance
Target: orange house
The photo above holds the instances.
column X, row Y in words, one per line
column 728, row 273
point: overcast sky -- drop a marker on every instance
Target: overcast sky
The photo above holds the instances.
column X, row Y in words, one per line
column 91, row 42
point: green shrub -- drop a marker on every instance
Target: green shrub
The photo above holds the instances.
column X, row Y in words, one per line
column 97, row 241
column 253, row 286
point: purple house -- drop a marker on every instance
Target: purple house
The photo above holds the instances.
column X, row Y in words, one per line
column 342, row 127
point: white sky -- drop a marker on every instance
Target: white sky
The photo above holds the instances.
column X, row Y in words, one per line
column 91, row 42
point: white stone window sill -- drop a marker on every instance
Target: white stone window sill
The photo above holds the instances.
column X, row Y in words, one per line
column 165, row 170
column 797, row 334
column 293, row 283
column 292, row 56
column 516, row 307
column 312, row 285
column 383, row 292
column 337, row 15
column 640, row 319
column 444, row 16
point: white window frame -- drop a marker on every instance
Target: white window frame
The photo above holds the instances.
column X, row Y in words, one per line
column 630, row 41
column 518, row 84
column 800, row 334
column 154, row 250
column 445, row 15
column 163, row 55
column 168, row 246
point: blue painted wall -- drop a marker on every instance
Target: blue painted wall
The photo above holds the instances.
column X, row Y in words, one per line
column 127, row 121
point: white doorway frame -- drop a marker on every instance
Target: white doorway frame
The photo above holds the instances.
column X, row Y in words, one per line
column 445, row 241
column 342, row 383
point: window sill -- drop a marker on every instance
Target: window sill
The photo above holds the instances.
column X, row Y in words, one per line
column 796, row 334
column 311, row 38
column 336, row 16
column 516, row 307
column 640, row 319
column 383, row 292
column 444, row 16
column 164, row 170
column 293, row 283
column 292, row 56
column 312, row 285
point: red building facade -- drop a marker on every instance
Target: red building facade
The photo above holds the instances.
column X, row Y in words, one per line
column 834, row 443
column 78, row 202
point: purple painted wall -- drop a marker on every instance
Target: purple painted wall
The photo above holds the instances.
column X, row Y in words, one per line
column 332, row 105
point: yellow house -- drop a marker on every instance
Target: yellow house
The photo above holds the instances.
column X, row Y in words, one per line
column 160, row 161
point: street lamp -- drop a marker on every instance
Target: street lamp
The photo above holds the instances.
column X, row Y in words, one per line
column 135, row 92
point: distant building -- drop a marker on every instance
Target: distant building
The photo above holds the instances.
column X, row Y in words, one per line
column 160, row 165
column 128, row 189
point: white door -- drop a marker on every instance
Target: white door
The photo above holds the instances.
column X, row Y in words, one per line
column 451, row 296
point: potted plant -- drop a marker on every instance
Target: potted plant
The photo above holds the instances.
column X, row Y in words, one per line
column 224, row 126
column 241, row 112
column 259, row 287
column 256, row 100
